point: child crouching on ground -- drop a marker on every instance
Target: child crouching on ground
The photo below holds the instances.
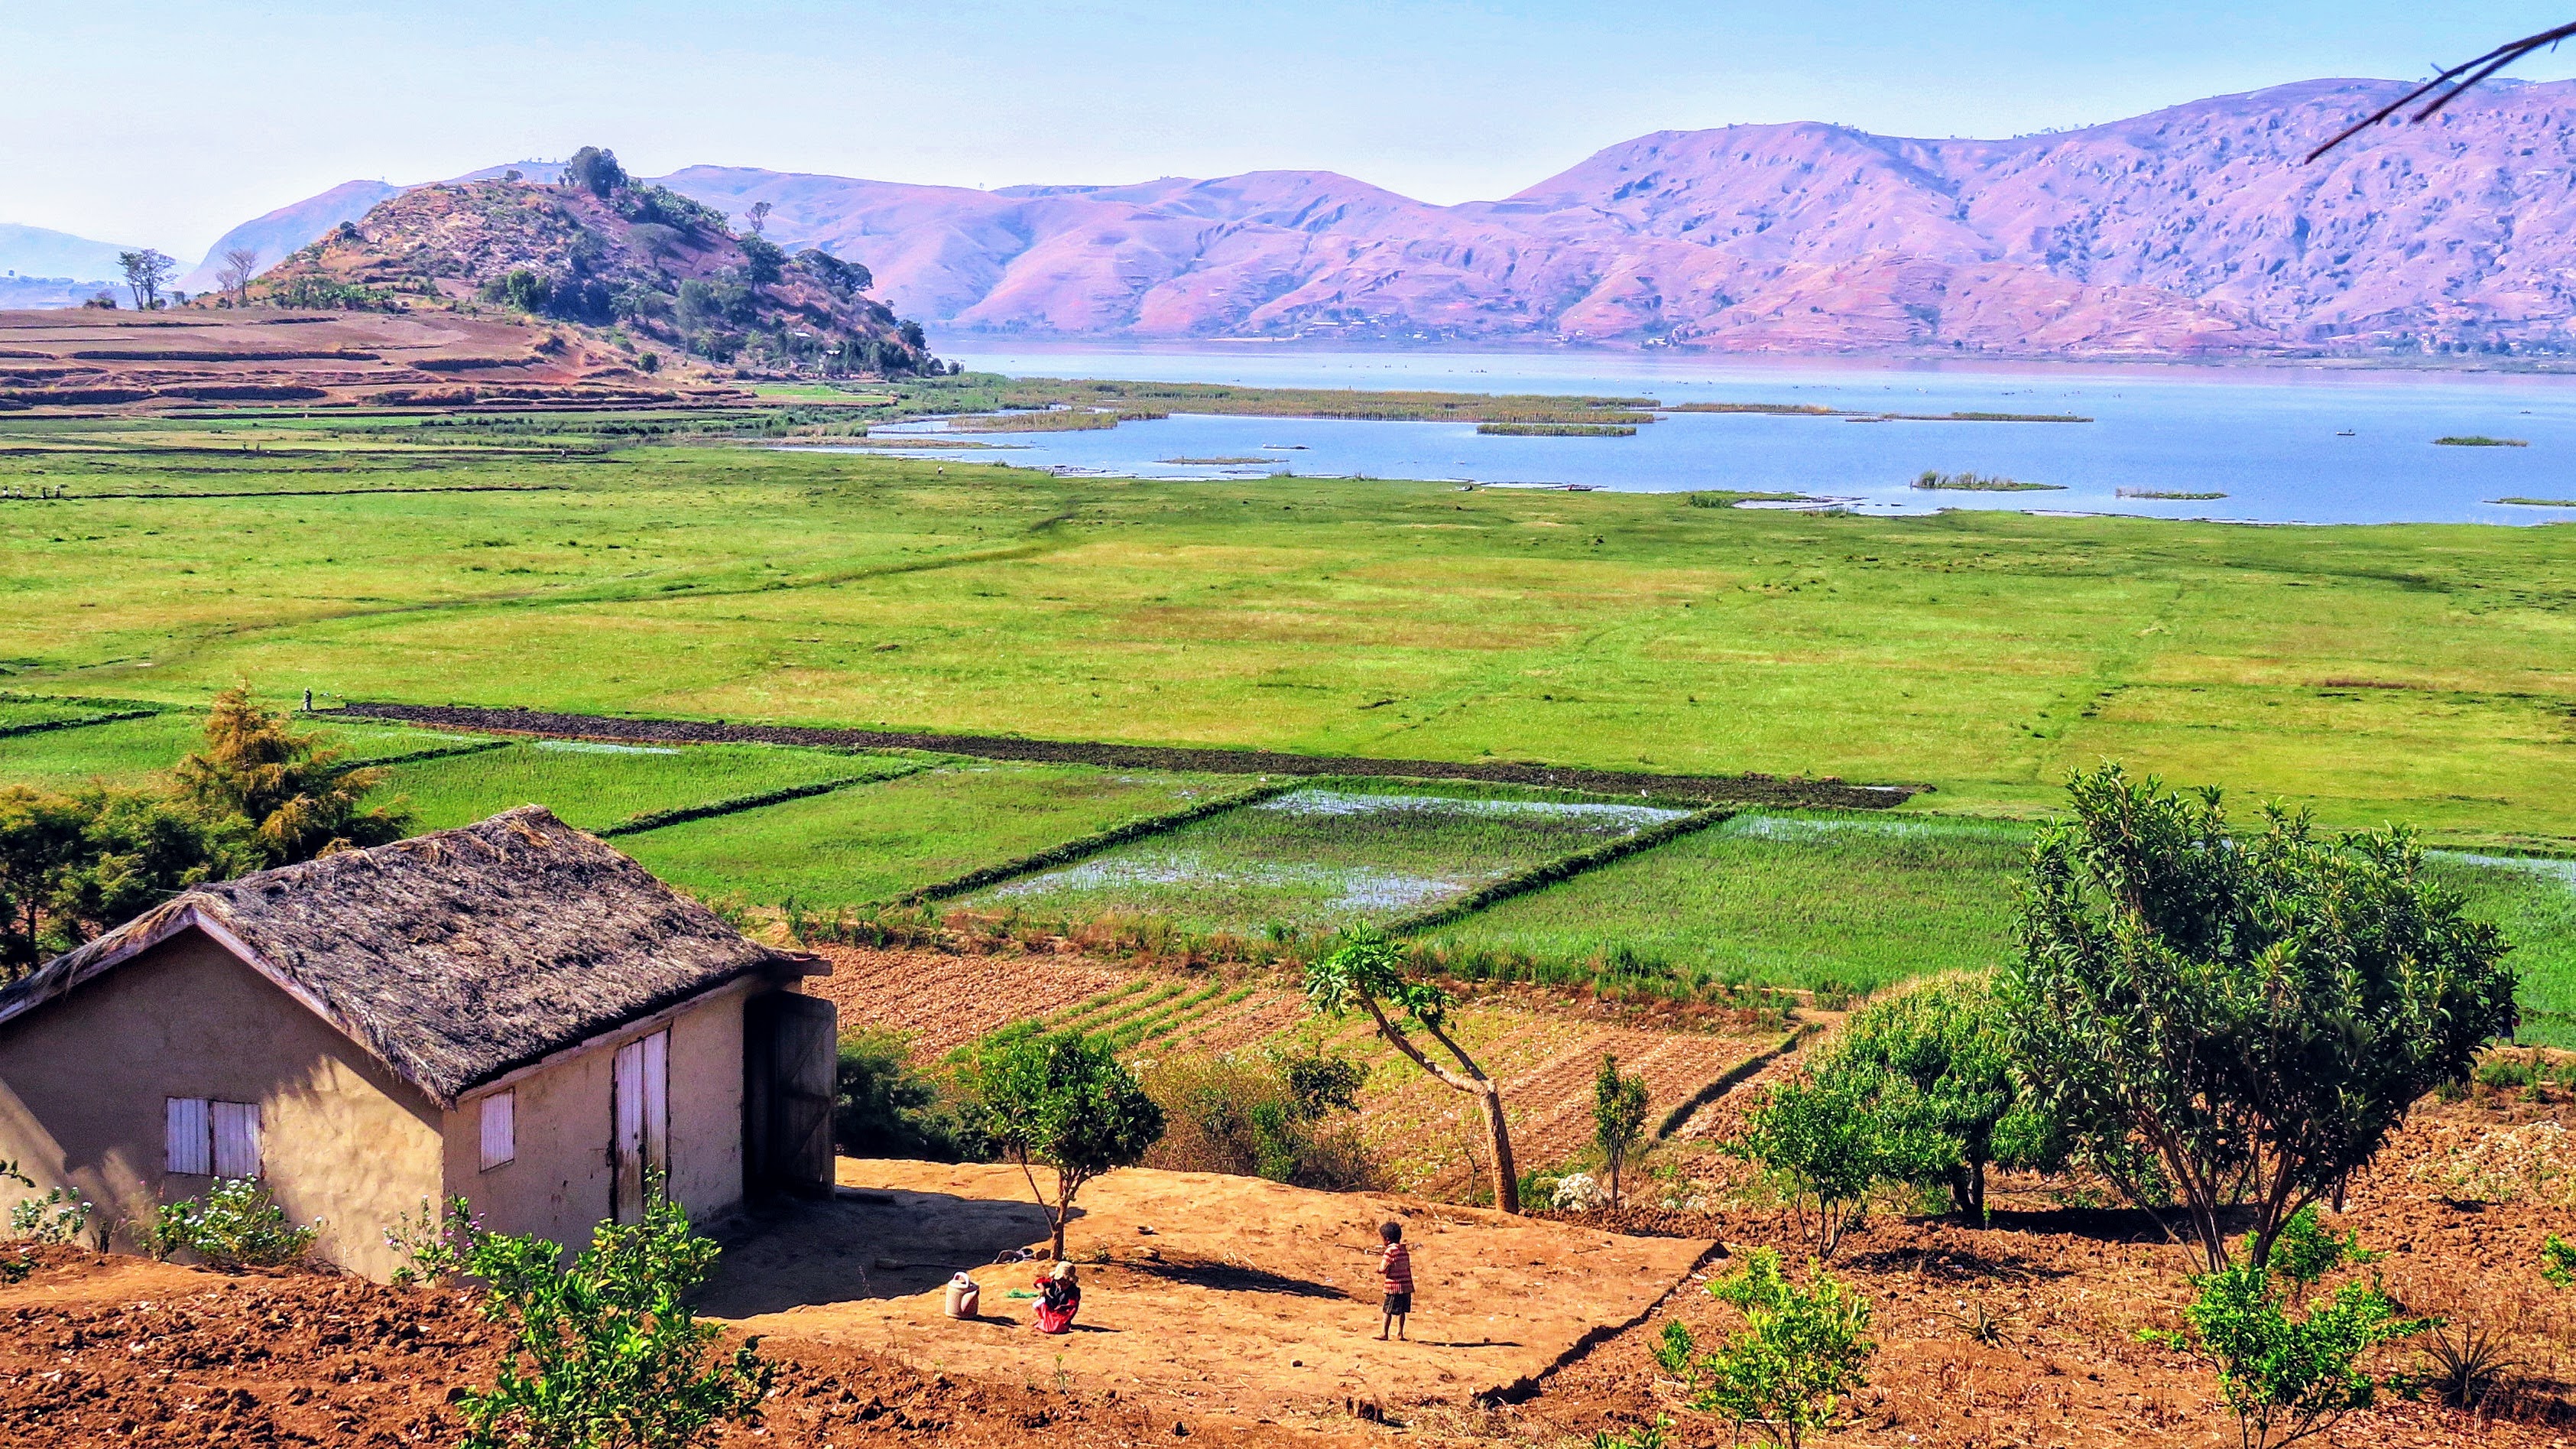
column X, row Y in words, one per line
column 1397, row 1268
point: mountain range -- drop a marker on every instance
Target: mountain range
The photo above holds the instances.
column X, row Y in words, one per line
column 2190, row 231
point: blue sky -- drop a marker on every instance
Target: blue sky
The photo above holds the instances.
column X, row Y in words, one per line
column 161, row 122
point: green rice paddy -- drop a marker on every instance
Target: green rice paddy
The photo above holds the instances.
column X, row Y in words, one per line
column 1323, row 856
column 871, row 843
column 1805, row 900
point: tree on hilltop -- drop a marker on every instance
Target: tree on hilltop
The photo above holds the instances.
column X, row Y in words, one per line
column 594, row 170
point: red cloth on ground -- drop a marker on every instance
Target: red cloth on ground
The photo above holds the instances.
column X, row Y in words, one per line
column 1056, row 1305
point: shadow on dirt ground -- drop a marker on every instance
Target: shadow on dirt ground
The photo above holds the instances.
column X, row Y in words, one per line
column 872, row 1243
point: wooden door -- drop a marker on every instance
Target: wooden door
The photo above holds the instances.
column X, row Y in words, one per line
column 791, row 1052
column 640, row 1105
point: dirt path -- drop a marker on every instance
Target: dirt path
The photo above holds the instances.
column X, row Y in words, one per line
column 1824, row 793
column 1243, row 1292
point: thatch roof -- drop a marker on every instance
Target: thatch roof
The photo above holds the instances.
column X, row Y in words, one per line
column 456, row 956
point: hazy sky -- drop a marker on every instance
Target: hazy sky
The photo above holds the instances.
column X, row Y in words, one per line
column 164, row 123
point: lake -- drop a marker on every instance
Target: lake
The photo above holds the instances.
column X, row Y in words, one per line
column 2285, row 445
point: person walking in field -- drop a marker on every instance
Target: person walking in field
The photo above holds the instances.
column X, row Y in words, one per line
column 1397, row 1269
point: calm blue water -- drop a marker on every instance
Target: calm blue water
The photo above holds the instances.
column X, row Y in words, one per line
column 2265, row 437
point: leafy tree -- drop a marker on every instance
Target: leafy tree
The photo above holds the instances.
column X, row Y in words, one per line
column 2288, row 1376
column 1063, row 1100
column 2236, row 1018
column 757, row 218
column 1945, row 1042
column 72, row 866
column 1367, row 973
column 605, row 1354
column 762, row 263
column 1839, row 1137
column 1618, row 1117
column 882, row 1108
column 595, row 171
column 292, row 797
column 846, row 277
column 1801, row 1351
column 145, row 271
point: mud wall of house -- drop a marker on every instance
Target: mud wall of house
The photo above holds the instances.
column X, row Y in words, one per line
column 562, row 1180
column 84, row 1082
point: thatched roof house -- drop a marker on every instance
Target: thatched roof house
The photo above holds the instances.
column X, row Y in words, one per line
column 473, row 1012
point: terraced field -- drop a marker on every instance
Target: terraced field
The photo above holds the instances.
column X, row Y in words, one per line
column 1427, row 1136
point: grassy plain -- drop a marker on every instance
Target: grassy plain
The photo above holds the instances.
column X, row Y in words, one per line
column 870, row 843
column 2418, row 673
column 1321, row 857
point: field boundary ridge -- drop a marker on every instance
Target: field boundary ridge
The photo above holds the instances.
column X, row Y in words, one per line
column 735, row 805
column 1746, row 789
column 38, row 727
column 1734, row 1077
column 1563, row 867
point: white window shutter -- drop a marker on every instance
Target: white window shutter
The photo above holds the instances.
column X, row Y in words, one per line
column 500, row 1129
column 657, row 1102
column 188, row 1143
column 236, row 1139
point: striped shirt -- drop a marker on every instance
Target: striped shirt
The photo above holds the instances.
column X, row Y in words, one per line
column 1398, row 1269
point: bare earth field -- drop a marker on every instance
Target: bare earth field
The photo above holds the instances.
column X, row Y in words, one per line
column 1220, row 1292
column 1247, row 1316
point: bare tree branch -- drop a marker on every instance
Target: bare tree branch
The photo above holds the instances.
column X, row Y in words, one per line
column 2452, row 83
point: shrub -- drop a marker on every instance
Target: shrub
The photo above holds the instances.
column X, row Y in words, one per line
column 2234, row 1018
column 2503, row 1072
column 1945, row 1041
column 881, row 1107
column 2558, row 1262
column 1785, row 1375
column 607, row 1351
column 1063, row 1100
column 240, row 1226
column 2305, row 1252
column 1261, row 1117
column 1837, row 1138
column 2284, row 1376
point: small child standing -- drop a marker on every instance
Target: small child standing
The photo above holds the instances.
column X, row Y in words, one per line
column 1397, row 1268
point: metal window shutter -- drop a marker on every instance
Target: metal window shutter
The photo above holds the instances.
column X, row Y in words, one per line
column 188, row 1145
column 236, row 1139
column 500, row 1129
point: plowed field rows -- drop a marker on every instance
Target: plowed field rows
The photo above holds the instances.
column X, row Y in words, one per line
column 1428, row 1137
column 943, row 1002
